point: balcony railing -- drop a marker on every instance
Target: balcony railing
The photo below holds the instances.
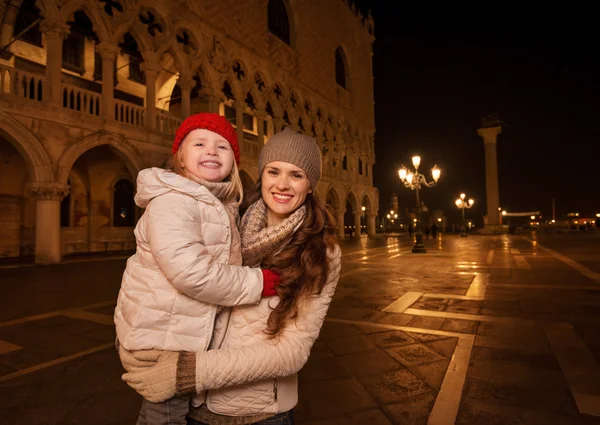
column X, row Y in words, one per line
column 166, row 123
column 81, row 100
column 128, row 113
column 21, row 84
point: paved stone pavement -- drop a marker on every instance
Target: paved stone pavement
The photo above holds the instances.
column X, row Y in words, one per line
column 480, row 330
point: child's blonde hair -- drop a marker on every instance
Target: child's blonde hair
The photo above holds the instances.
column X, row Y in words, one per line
column 235, row 192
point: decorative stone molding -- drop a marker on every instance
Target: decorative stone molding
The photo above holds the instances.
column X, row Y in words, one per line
column 107, row 51
column 48, row 191
column 218, row 57
column 54, row 28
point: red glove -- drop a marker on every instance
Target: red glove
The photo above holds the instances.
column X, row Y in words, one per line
column 270, row 282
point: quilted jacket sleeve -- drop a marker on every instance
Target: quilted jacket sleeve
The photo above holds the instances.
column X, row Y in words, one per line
column 282, row 356
column 172, row 234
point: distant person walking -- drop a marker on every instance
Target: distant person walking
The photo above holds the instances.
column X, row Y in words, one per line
column 434, row 230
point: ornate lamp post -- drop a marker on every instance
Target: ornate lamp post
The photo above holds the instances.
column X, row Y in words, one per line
column 462, row 204
column 414, row 182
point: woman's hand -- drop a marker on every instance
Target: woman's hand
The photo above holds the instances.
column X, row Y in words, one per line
column 152, row 375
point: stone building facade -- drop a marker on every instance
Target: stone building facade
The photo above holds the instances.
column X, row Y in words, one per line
column 92, row 91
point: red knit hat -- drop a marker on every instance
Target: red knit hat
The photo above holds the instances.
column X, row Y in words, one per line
column 208, row 121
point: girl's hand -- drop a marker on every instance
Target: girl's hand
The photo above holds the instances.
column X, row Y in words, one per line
column 134, row 361
column 155, row 381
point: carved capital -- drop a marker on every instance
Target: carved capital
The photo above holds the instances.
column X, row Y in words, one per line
column 489, row 134
column 48, row 191
column 150, row 68
column 107, row 51
column 54, row 29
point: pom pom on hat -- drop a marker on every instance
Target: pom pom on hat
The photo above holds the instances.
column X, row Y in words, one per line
column 208, row 121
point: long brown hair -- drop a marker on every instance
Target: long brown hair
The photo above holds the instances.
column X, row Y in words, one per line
column 303, row 263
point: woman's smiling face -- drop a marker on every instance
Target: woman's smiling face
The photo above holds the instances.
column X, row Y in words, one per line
column 284, row 187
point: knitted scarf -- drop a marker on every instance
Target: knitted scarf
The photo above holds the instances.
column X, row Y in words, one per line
column 258, row 240
column 258, row 243
column 219, row 190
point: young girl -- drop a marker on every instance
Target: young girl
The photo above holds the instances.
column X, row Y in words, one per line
column 250, row 371
column 188, row 258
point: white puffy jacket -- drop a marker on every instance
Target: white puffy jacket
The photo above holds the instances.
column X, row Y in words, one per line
column 179, row 274
column 251, row 374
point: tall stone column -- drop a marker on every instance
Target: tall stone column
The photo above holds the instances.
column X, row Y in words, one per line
column 357, row 224
column 55, row 33
column 277, row 124
column 108, row 53
column 186, row 88
column 47, row 224
column 260, row 124
column 371, row 225
column 489, row 135
column 340, row 224
column 151, row 69
column 239, row 123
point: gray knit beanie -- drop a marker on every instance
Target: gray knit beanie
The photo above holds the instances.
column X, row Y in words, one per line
column 295, row 148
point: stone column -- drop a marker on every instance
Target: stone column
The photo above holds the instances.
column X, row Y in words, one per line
column 186, row 88
column 151, row 69
column 55, row 34
column 206, row 103
column 371, row 226
column 490, row 135
column 340, row 223
column 277, row 124
column 260, row 124
column 108, row 53
column 239, row 123
column 47, row 225
column 357, row 224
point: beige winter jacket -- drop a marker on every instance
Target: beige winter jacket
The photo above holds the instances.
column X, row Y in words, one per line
column 179, row 274
column 251, row 374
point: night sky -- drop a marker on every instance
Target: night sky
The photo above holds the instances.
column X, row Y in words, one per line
column 437, row 75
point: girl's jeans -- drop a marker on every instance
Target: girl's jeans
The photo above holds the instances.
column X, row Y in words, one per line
column 286, row 418
column 170, row 412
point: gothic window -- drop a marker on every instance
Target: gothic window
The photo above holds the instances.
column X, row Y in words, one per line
column 345, row 163
column 227, row 91
column 340, row 68
column 279, row 24
column 187, row 44
column 248, row 122
column 130, row 47
column 73, row 54
column 250, row 101
column 112, row 7
column 123, row 213
column 230, row 114
column 27, row 15
column 65, row 209
column 360, row 166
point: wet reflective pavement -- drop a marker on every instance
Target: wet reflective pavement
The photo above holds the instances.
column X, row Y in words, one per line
column 479, row 330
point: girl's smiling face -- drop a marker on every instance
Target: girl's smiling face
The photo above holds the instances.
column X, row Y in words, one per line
column 207, row 155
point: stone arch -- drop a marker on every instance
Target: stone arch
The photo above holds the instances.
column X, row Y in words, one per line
column 333, row 199
column 30, row 148
column 100, row 26
column 367, row 203
column 130, row 153
column 49, row 9
column 138, row 32
column 352, row 199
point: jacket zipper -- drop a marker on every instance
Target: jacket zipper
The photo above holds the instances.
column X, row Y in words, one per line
column 275, row 388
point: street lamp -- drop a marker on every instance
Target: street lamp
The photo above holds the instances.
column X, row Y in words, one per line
column 462, row 204
column 414, row 182
column 363, row 223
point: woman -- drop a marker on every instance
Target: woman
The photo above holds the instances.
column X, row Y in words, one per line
column 250, row 373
